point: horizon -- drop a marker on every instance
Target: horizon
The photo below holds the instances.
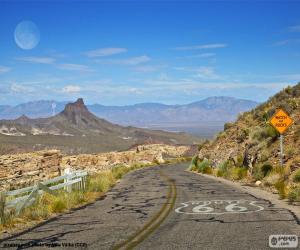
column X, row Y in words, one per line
column 91, row 104
column 123, row 54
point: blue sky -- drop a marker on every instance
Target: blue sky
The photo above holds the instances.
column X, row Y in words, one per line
column 118, row 53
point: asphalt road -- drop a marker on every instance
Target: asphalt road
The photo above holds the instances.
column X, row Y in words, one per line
column 164, row 207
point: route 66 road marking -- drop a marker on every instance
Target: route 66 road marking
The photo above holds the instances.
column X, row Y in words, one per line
column 219, row 207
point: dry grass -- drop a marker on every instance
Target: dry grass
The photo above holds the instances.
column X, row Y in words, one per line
column 48, row 205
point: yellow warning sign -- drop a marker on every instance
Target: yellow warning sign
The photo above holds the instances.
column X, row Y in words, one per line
column 281, row 121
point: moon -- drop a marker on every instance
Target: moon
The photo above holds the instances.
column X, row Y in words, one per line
column 27, row 35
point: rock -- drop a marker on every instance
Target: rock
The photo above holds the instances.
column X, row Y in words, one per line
column 258, row 183
column 25, row 169
column 20, row 169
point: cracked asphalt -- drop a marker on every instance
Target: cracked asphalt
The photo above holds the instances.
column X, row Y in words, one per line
column 207, row 214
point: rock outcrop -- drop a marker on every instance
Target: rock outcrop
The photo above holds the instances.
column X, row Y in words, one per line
column 143, row 154
column 20, row 170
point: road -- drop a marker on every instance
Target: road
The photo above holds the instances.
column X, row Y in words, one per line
column 164, row 207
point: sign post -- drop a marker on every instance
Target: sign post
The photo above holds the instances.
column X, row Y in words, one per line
column 281, row 150
column 281, row 121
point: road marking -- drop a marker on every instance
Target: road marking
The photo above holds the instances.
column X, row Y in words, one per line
column 219, row 207
column 155, row 222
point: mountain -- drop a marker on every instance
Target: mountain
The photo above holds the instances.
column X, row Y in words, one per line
column 252, row 143
column 36, row 109
column 204, row 117
column 75, row 130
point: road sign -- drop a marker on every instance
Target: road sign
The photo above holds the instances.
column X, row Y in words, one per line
column 281, row 121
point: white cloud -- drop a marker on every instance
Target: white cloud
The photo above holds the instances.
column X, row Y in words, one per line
column 69, row 89
column 204, row 72
column 147, row 68
column 74, row 67
column 129, row 61
column 34, row 59
column 285, row 42
column 295, row 28
column 203, row 55
column 18, row 88
column 204, row 46
column 4, row 69
column 104, row 52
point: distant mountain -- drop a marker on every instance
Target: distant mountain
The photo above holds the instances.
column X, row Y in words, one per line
column 76, row 129
column 36, row 109
column 203, row 117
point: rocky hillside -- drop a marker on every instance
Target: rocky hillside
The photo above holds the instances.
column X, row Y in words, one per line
column 77, row 130
column 252, row 142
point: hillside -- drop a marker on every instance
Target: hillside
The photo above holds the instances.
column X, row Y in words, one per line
column 76, row 130
column 214, row 111
column 253, row 144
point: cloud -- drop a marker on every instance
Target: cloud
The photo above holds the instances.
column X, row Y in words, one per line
column 33, row 59
column 295, row 28
column 74, row 67
column 18, row 88
column 286, row 42
column 129, row 61
column 4, row 69
column 204, row 72
column 104, row 52
column 203, row 55
column 69, row 89
column 204, row 46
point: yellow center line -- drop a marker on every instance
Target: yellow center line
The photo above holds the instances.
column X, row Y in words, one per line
column 156, row 220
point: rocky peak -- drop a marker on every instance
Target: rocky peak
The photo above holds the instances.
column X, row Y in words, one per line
column 75, row 108
column 23, row 120
column 77, row 112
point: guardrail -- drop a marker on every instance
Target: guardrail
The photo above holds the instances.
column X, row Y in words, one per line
column 24, row 197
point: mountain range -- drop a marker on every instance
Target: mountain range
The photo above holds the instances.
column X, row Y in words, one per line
column 204, row 118
column 77, row 130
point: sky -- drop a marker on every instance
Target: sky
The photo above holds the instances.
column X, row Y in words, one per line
column 127, row 52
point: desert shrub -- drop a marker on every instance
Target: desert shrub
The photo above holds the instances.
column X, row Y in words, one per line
column 204, row 167
column 222, row 169
column 238, row 173
column 239, row 160
column 194, row 162
column 297, row 134
column 280, row 185
column 228, row 125
column 296, row 177
column 290, row 151
column 103, row 181
column 266, row 169
column 257, row 174
column 119, row 171
column 221, row 135
column 201, row 145
column 294, row 194
column 242, row 135
column 272, row 178
column 265, row 154
column 58, row 205
column 269, row 132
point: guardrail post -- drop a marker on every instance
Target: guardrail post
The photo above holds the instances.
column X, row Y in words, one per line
column 83, row 182
column 2, row 206
column 67, row 172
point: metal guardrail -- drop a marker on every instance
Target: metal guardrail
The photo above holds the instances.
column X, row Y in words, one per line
column 24, row 197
